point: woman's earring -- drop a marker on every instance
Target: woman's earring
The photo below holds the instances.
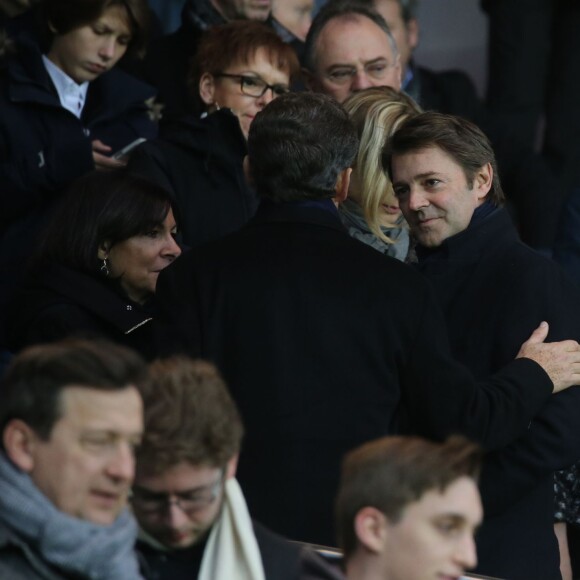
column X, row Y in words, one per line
column 105, row 268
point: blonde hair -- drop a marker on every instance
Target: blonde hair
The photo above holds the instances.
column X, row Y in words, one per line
column 377, row 113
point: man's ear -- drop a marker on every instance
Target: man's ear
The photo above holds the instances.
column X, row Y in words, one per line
column 104, row 249
column 342, row 185
column 413, row 33
column 483, row 181
column 19, row 442
column 207, row 89
column 370, row 526
column 232, row 466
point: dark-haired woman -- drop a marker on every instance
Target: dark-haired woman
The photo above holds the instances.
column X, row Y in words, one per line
column 97, row 269
column 64, row 109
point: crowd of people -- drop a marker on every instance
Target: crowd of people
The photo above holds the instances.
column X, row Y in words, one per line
column 267, row 286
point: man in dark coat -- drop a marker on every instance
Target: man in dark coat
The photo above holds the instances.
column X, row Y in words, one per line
column 324, row 342
column 492, row 289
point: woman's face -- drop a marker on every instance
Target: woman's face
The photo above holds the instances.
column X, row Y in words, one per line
column 218, row 92
column 137, row 261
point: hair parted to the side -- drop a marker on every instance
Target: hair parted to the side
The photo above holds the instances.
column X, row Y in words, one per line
column 461, row 139
column 190, row 417
column 110, row 206
column 235, row 43
column 376, row 112
column 298, row 145
column 392, row 472
column 62, row 16
column 32, row 386
column 341, row 9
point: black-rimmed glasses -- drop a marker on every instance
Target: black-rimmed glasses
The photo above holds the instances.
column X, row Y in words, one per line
column 254, row 86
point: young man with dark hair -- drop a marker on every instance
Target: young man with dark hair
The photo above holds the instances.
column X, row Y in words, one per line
column 408, row 509
column 192, row 513
column 70, row 419
column 492, row 289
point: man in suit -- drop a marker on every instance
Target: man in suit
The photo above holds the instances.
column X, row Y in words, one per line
column 492, row 289
column 324, row 342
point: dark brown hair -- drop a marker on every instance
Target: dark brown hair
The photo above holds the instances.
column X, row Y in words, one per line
column 32, row 386
column 462, row 140
column 189, row 417
column 62, row 16
column 392, row 472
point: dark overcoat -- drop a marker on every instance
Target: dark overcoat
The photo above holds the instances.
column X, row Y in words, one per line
column 494, row 291
column 325, row 344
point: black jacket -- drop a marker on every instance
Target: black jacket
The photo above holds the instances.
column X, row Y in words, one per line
column 44, row 147
column 200, row 162
column 325, row 344
column 59, row 302
column 494, row 291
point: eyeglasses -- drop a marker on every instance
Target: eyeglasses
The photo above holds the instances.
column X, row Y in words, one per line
column 343, row 75
column 254, row 86
column 151, row 503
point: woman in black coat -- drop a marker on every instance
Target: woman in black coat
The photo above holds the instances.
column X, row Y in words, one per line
column 97, row 269
column 239, row 68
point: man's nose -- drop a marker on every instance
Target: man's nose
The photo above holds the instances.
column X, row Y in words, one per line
column 361, row 81
column 107, row 49
column 176, row 517
column 121, row 465
column 416, row 200
column 466, row 554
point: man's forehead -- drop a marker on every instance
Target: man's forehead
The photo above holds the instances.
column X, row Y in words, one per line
column 183, row 476
column 360, row 30
column 95, row 408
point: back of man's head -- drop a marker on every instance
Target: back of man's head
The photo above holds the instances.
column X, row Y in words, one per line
column 459, row 138
column 32, row 387
column 299, row 145
column 189, row 417
column 391, row 473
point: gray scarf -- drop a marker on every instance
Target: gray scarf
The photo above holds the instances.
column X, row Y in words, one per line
column 354, row 220
column 74, row 546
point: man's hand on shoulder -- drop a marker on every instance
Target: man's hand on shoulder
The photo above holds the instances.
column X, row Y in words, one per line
column 560, row 360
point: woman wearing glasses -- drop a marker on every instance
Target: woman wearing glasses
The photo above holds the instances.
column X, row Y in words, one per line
column 239, row 68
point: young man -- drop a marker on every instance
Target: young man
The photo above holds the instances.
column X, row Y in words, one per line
column 70, row 419
column 407, row 509
column 64, row 109
column 193, row 516
column 492, row 289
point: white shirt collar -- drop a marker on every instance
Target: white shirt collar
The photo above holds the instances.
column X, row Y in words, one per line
column 72, row 96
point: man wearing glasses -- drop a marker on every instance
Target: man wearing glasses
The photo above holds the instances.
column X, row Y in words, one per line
column 193, row 517
column 350, row 48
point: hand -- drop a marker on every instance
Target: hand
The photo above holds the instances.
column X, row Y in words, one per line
column 102, row 161
column 560, row 360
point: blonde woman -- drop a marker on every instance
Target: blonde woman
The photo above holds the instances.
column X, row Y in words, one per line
column 371, row 212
